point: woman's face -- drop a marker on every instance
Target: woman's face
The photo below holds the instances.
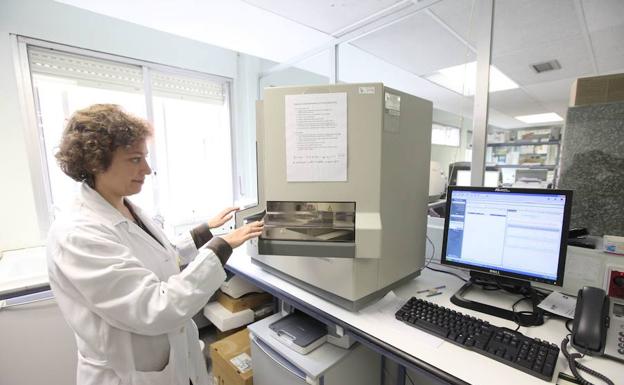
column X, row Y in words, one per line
column 127, row 171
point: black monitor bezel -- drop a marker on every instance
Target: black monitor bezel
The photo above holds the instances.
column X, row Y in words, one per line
column 494, row 273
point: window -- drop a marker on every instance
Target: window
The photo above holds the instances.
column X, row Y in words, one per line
column 445, row 135
column 194, row 150
column 191, row 153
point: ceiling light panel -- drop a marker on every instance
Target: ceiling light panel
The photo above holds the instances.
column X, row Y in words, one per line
column 549, row 117
column 463, row 78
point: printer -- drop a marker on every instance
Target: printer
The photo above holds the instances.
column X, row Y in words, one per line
column 343, row 186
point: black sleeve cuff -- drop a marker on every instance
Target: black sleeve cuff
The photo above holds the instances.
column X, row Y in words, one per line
column 221, row 248
column 201, row 235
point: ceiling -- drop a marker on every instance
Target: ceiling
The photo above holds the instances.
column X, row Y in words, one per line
column 584, row 36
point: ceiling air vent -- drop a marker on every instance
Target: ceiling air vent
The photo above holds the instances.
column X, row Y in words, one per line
column 546, row 66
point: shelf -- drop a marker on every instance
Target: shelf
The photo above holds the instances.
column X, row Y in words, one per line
column 523, row 143
column 531, row 166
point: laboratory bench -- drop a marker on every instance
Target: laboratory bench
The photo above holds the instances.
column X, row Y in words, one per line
column 424, row 354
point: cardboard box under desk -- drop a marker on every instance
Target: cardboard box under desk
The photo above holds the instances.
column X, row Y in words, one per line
column 248, row 301
column 222, row 352
column 597, row 89
column 221, row 335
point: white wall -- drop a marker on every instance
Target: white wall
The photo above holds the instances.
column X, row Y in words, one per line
column 290, row 77
column 59, row 23
column 18, row 220
column 43, row 350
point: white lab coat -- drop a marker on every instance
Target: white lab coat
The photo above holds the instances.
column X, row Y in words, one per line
column 125, row 298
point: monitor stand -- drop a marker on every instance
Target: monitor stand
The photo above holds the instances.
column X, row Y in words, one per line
column 519, row 285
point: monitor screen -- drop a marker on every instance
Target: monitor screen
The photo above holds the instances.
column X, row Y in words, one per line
column 490, row 178
column 518, row 233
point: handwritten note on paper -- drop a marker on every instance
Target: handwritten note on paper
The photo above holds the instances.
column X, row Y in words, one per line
column 316, row 137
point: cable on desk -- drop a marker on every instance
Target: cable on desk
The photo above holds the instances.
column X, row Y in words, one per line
column 534, row 317
column 576, row 367
column 567, row 325
column 432, row 251
column 448, row 272
column 439, row 271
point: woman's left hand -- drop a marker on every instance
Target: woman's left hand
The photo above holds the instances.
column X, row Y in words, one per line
column 224, row 216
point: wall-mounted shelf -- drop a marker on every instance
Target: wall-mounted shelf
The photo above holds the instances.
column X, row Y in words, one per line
column 524, row 143
column 529, row 166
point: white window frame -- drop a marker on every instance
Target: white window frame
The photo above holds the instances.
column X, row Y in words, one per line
column 34, row 135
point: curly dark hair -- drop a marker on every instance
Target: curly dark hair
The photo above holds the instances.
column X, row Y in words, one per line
column 92, row 135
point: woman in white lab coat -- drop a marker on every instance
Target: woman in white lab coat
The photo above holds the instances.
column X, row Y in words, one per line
column 115, row 275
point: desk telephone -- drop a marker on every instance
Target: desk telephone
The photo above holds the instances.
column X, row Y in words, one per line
column 597, row 330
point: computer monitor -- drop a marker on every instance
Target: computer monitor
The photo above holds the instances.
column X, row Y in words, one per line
column 490, row 178
column 459, row 175
column 510, row 236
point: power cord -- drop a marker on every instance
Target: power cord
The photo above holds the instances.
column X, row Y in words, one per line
column 576, row 366
column 534, row 317
column 433, row 250
column 567, row 325
column 448, row 272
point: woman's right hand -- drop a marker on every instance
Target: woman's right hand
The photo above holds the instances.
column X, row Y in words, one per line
column 240, row 235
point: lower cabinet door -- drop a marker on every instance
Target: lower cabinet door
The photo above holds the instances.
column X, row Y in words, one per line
column 271, row 368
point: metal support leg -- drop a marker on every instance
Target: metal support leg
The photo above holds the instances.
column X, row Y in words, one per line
column 383, row 370
column 400, row 375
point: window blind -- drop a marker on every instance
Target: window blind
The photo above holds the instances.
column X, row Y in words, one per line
column 95, row 71
column 85, row 69
column 185, row 87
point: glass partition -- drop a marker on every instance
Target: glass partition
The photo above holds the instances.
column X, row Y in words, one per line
column 312, row 70
column 558, row 121
column 429, row 53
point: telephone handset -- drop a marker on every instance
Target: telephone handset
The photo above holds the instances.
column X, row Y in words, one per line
column 591, row 321
column 589, row 331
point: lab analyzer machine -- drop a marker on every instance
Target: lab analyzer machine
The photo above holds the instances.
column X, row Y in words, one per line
column 343, row 185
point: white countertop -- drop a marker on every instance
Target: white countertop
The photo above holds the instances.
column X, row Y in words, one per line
column 23, row 269
column 377, row 320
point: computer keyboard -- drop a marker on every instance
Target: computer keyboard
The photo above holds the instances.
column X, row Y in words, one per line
column 532, row 356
